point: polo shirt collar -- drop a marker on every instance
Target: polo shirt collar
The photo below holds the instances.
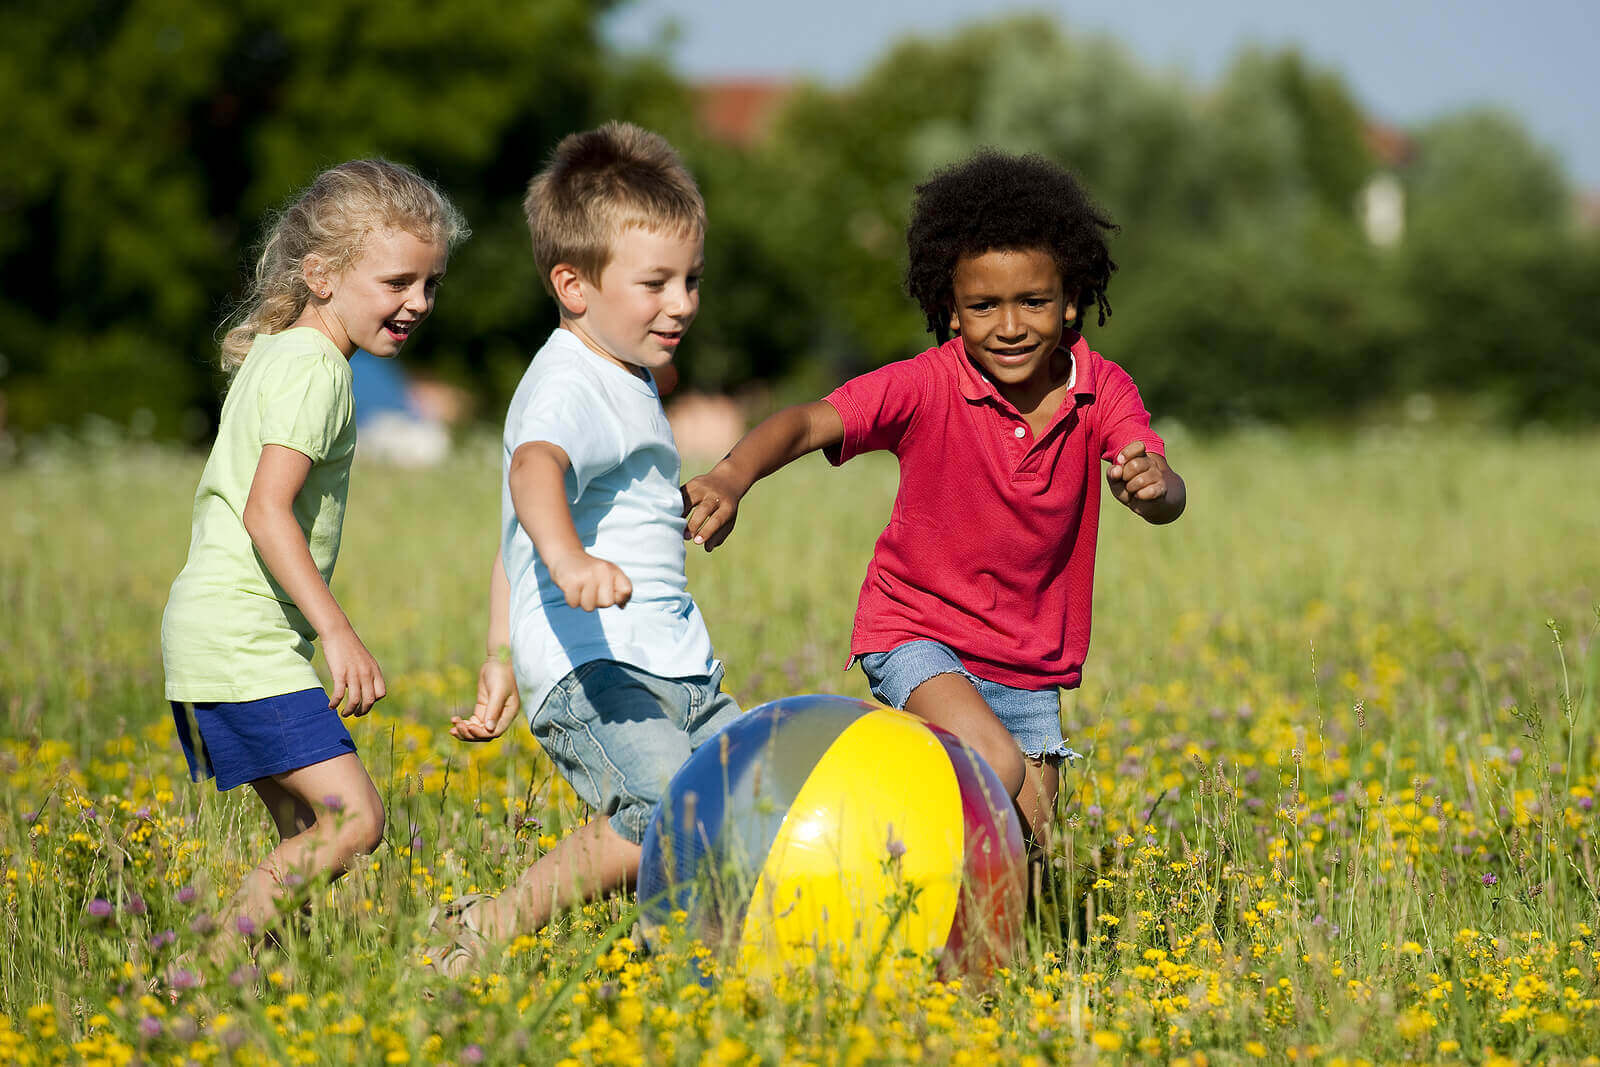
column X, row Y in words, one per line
column 974, row 386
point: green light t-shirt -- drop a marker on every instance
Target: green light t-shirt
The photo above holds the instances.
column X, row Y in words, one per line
column 230, row 632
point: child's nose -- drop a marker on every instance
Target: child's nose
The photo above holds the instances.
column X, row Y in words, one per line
column 680, row 301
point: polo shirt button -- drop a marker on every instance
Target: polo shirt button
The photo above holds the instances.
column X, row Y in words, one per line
column 1020, row 432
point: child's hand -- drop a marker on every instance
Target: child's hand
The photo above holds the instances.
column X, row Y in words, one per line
column 710, row 508
column 1144, row 483
column 497, row 706
column 590, row 582
column 355, row 673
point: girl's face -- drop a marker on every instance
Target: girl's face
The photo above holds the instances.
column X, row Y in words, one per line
column 383, row 296
column 1010, row 312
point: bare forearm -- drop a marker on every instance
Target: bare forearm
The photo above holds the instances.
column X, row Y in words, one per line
column 282, row 547
column 499, row 636
column 778, row 441
column 539, row 495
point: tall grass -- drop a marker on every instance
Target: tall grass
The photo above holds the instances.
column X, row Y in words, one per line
column 1337, row 800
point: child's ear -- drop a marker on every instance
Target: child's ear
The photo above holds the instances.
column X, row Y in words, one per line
column 567, row 283
column 314, row 271
column 1069, row 313
column 955, row 322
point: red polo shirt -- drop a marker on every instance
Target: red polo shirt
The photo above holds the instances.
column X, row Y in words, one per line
column 990, row 547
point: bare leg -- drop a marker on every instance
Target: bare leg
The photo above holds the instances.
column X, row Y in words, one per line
column 950, row 701
column 290, row 814
column 334, row 815
column 1037, row 800
column 592, row 860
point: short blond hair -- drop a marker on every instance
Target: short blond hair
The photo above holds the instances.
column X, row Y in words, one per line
column 599, row 183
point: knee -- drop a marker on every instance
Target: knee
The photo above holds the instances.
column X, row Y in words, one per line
column 360, row 827
column 1003, row 756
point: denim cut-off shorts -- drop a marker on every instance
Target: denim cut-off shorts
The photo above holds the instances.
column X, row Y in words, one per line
column 1032, row 715
column 619, row 734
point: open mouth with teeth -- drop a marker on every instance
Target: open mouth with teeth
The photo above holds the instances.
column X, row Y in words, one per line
column 400, row 330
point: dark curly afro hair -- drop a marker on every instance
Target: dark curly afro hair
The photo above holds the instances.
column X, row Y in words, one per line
column 993, row 201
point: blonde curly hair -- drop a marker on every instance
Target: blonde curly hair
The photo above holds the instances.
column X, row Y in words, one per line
column 332, row 218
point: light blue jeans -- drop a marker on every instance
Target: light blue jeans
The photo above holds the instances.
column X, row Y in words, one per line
column 1033, row 716
column 619, row 734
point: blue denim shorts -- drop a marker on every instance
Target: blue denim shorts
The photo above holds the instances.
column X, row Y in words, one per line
column 1032, row 715
column 619, row 734
column 241, row 741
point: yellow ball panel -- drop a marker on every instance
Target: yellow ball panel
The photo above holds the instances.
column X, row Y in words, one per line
column 831, row 879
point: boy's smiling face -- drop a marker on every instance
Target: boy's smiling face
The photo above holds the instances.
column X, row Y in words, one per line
column 1010, row 312
column 636, row 312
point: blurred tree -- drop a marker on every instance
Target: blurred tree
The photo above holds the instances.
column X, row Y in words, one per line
column 1501, row 279
column 149, row 138
column 1246, row 287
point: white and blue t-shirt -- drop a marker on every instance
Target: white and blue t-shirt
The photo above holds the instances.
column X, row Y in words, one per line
column 627, row 508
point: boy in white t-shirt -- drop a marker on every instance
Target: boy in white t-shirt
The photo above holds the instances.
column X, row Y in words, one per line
column 609, row 654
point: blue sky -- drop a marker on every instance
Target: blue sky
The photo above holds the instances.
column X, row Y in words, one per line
column 1405, row 60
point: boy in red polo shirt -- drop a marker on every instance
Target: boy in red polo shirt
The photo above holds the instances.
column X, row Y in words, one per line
column 975, row 608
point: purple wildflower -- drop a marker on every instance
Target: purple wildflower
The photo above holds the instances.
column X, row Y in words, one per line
column 182, row 978
column 472, row 1054
column 1586, row 803
column 162, row 940
column 333, row 802
column 897, row 847
column 1490, row 878
column 150, row 1026
column 136, row 905
column 100, row 908
column 187, row 894
column 245, row 925
column 203, row 924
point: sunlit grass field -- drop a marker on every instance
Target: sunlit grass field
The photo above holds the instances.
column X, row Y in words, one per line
column 1337, row 803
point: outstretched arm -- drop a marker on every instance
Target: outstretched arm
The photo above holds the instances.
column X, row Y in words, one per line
column 539, row 494
column 1142, row 482
column 269, row 520
column 711, row 501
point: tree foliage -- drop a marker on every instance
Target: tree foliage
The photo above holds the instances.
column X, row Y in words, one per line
column 148, row 139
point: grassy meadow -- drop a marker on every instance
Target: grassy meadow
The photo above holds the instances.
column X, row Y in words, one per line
column 1338, row 801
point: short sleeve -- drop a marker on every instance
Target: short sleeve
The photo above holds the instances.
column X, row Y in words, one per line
column 1123, row 418
column 561, row 411
column 305, row 404
column 877, row 408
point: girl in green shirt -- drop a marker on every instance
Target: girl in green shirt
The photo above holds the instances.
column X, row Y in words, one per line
column 353, row 263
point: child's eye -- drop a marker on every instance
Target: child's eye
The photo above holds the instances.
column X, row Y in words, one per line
column 693, row 281
column 655, row 284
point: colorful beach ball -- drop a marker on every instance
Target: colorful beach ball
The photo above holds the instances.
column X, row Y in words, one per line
column 833, row 826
